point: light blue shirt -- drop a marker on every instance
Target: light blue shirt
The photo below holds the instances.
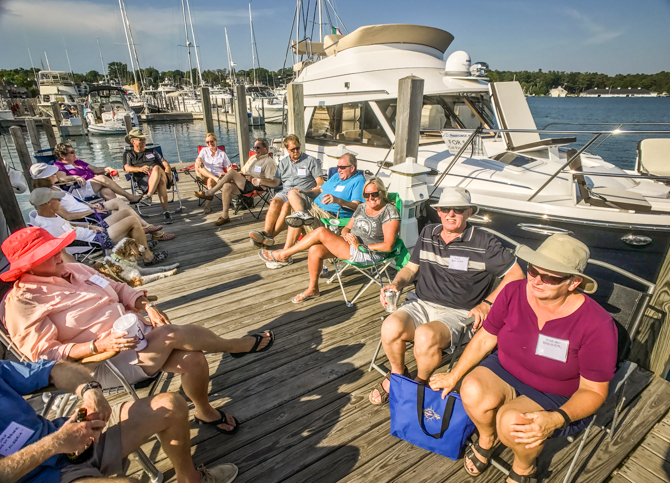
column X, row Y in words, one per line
column 350, row 189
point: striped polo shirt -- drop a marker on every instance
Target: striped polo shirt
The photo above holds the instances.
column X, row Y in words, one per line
column 462, row 273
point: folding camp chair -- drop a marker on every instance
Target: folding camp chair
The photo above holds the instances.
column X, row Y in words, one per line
column 398, row 254
column 201, row 183
column 65, row 402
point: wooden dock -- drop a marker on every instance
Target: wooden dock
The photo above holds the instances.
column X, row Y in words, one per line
column 303, row 405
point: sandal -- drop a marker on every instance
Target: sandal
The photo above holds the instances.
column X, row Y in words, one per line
column 382, row 392
column 162, row 236
column 479, row 465
column 158, row 257
column 152, row 228
column 516, row 477
column 273, row 260
column 222, row 420
column 301, row 297
column 259, row 338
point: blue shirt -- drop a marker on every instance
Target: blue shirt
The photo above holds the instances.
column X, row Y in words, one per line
column 17, row 380
column 350, row 189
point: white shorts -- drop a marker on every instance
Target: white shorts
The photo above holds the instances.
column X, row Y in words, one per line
column 363, row 258
column 86, row 191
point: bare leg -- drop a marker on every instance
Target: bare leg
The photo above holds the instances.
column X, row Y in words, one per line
column 272, row 216
column 100, row 181
column 167, row 416
column 130, row 227
column 429, row 340
column 292, row 235
column 208, row 203
column 231, row 176
column 335, row 244
column 227, row 192
column 118, row 205
column 162, row 190
column 317, row 254
column 510, row 413
column 155, row 177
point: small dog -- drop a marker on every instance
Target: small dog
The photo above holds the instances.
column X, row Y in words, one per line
column 122, row 265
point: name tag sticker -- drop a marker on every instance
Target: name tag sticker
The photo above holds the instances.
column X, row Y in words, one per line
column 302, row 171
column 257, row 169
column 99, row 281
column 13, row 438
column 339, row 188
column 458, row 263
column 150, row 156
column 551, row 348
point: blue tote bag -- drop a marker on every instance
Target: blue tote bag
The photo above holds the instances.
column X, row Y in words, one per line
column 420, row 416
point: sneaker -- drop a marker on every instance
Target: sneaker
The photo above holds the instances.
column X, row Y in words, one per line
column 224, row 473
column 262, row 237
column 167, row 218
column 299, row 218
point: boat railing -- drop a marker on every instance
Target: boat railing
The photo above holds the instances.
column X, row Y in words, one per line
column 478, row 132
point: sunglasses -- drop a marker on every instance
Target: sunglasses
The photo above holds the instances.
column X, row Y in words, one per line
column 342, row 168
column 374, row 195
column 70, row 152
column 210, row 142
column 546, row 279
column 256, row 148
column 457, row 211
column 294, row 150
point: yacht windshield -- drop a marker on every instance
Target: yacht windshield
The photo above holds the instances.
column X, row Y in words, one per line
column 463, row 111
column 111, row 97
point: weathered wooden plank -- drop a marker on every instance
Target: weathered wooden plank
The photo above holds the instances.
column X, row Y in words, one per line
column 646, row 467
column 656, row 445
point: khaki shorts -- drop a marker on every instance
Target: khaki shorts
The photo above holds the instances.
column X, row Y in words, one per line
column 422, row 312
column 106, row 460
column 126, row 363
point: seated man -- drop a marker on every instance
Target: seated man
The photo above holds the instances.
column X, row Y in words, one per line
column 297, row 170
column 47, row 203
column 92, row 179
column 59, row 311
column 42, row 448
column 259, row 170
column 149, row 169
column 454, row 265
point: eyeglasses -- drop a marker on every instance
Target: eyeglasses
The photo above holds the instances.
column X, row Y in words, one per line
column 210, row 142
column 256, row 148
column 294, row 150
column 546, row 279
column 373, row 195
column 342, row 168
column 457, row 211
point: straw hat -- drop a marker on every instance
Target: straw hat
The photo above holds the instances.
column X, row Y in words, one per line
column 42, row 170
column 40, row 196
column 563, row 254
column 134, row 133
column 455, row 198
column 29, row 247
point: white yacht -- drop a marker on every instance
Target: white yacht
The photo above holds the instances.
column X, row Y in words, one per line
column 521, row 182
column 58, row 86
column 167, row 86
column 265, row 103
column 106, row 106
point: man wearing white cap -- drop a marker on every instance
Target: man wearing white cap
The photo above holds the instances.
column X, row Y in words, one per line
column 454, row 267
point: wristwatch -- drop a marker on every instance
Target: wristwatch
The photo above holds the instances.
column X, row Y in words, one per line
column 566, row 418
column 92, row 347
column 90, row 385
column 150, row 304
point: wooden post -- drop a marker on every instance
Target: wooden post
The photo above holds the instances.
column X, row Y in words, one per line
column 218, row 116
column 128, row 121
column 408, row 118
column 656, row 331
column 228, row 110
column 84, row 124
column 49, row 131
column 55, row 109
column 33, row 134
column 242, row 121
column 207, row 108
column 8, row 204
column 22, row 152
column 296, row 111
column 30, row 107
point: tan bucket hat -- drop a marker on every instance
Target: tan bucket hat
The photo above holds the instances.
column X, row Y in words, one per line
column 456, row 198
column 134, row 133
column 563, row 254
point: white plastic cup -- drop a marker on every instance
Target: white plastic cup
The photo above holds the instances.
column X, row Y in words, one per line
column 256, row 181
column 133, row 325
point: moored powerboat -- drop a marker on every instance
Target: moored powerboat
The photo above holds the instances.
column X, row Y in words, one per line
column 106, row 106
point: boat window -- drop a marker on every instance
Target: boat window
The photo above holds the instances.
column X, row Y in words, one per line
column 513, row 159
column 446, row 112
column 352, row 123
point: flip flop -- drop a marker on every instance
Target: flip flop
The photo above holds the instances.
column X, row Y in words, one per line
column 259, row 338
column 162, row 236
column 273, row 260
column 221, row 420
column 301, row 297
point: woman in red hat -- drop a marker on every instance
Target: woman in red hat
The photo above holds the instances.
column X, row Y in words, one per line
column 58, row 310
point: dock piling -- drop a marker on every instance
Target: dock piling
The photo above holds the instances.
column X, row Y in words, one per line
column 207, row 108
column 22, row 152
column 408, row 118
column 49, row 131
column 33, row 134
column 58, row 117
column 218, row 116
column 296, row 111
column 242, row 121
column 128, row 122
column 8, row 203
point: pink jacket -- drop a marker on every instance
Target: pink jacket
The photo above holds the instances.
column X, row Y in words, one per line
column 46, row 316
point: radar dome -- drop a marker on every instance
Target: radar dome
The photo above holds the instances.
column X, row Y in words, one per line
column 458, row 64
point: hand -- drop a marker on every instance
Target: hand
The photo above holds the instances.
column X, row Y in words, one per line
column 96, row 405
column 145, row 169
column 75, row 437
column 156, row 316
column 100, row 207
column 95, row 228
column 116, row 341
column 80, row 181
column 248, row 177
column 382, row 298
column 328, row 199
column 480, row 312
column 446, row 382
column 351, row 239
column 235, row 167
column 541, row 425
column 108, row 170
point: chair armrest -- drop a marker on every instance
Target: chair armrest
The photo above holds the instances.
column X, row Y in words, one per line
column 103, row 356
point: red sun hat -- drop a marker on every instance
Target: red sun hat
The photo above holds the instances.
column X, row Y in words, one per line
column 29, row 247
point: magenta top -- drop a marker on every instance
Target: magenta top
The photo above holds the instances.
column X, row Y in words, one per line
column 590, row 330
column 81, row 169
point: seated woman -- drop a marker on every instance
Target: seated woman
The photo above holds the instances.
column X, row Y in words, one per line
column 71, row 209
column 375, row 223
column 211, row 164
column 91, row 178
column 60, row 311
column 556, row 353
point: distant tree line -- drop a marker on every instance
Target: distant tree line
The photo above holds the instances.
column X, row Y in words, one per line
column 540, row 83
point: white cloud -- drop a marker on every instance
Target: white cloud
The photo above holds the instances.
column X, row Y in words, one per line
column 596, row 33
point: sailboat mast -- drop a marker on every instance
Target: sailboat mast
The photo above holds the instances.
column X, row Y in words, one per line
column 33, row 66
column 231, row 64
column 68, row 64
column 320, row 23
column 253, row 52
column 137, row 59
column 124, row 20
column 188, row 45
column 102, row 62
column 195, row 44
column 47, row 58
column 297, row 32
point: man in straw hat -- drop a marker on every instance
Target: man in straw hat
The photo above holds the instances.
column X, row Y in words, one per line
column 149, row 169
column 454, row 267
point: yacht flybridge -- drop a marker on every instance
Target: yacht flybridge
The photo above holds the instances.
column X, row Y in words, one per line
column 482, row 137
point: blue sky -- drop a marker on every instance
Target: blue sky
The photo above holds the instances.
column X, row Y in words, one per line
column 615, row 36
